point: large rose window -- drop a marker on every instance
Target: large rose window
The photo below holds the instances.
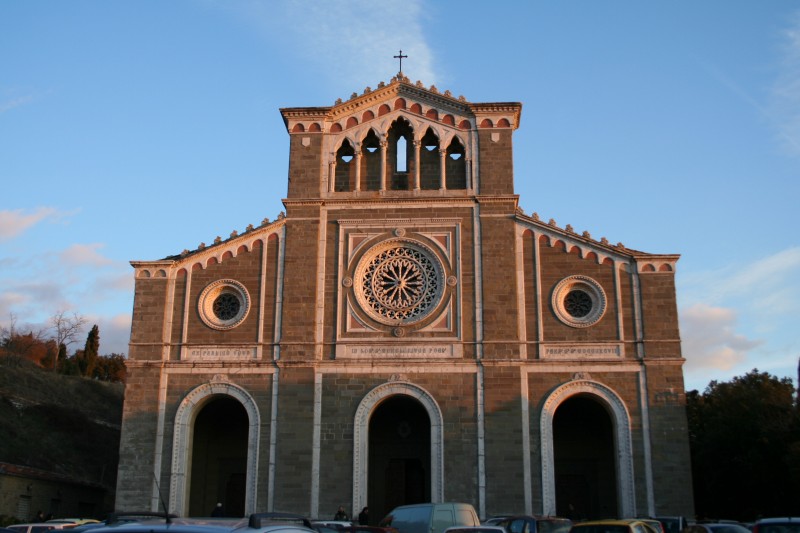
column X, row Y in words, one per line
column 399, row 282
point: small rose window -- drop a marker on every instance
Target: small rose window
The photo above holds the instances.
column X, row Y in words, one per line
column 224, row 304
column 579, row 301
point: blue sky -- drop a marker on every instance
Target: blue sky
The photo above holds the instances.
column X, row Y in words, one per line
column 131, row 130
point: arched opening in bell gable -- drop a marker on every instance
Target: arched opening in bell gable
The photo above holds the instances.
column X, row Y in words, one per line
column 371, row 162
column 429, row 163
column 218, row 463
column 399, row 154
column 456, row 165
column 345, row 168
column 584, row 457
column 399, row 454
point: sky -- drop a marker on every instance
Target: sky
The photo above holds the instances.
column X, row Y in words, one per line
column 132, row 130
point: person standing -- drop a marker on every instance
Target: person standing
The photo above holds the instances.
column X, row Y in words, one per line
column 341, row 514
column 363, row 517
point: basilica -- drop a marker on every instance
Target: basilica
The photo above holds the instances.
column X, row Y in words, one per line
column 405, row 333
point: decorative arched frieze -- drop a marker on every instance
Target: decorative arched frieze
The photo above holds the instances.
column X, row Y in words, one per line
column 620, row 419
column 183, row 435
column 361, row 436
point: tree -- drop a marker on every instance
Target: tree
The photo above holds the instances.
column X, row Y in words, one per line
column 67, row 328
column 88, row 358
column 110, row 368
column 745, row 440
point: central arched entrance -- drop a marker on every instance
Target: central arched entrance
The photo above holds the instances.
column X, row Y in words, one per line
column 399, row 455
column 219, row 458
column 397, row 431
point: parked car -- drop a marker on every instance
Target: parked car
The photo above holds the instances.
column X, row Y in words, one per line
column 717, row 527
column 654, row 523
column 475, row 529
column 39, row 527
column 430, row 517
column 256, row 523
column 535, row 524
column 627, row 525
column 366, row 529
column 673, row 524
column 785, row 524
column 73, row 522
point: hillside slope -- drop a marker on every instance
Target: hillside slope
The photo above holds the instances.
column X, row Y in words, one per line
column 64, row 424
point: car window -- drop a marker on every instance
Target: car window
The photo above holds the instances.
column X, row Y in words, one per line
column 552, row 526
column 515, row 526
column 442, row 519
column 466, row 517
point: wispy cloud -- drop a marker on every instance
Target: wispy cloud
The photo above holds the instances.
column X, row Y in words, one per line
column 17, row 101
column 85, row 254
column 785, row 101
column 351, row 41
column 742, row 317
column 78, row 278
column 14, row 223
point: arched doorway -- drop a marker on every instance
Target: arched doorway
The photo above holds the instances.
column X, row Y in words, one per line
column 219, row 458
column 399, row 455
column 598, row 402
column 583, row 445
column 186, row 436
column 377, row 402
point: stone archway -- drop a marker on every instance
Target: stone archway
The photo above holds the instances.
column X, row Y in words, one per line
column 620, row 420
column 361, row 438
column 183, row 438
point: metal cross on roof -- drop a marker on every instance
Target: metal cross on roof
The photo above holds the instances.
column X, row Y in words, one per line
column 400, row 57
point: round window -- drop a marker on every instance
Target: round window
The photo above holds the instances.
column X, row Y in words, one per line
column 579, row 301
column 224, row 304
column 399, row 282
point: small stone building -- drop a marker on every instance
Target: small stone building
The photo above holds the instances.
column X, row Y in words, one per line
column 405, row 333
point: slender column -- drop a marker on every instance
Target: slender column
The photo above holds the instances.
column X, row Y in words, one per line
column 332, row 174
column 417, row 145
column 384, row 146
column 468, row 170
column 357, row 161
column 442, row 171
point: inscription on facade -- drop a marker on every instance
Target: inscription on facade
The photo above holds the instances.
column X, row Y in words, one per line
column 409, row 351
column 580, row 351
column 219, row 353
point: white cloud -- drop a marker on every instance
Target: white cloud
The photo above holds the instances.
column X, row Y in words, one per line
column 740, row 318
column 84, row 254
column 14, row 223
column 710, row 339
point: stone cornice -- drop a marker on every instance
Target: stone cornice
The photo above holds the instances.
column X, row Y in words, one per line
column 645, row 262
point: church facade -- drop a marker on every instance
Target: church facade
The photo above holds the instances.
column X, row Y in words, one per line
column 405, row 333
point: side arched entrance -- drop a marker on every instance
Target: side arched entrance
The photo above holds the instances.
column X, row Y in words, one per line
column 587, row 462
column 215, row 452
column 397, row 455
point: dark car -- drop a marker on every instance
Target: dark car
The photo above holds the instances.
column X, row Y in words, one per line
column 785, row 524
column 717, row 527
column 534, row 524
column 256, row 523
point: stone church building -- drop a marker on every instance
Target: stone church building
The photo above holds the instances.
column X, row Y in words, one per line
column 405, row 333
